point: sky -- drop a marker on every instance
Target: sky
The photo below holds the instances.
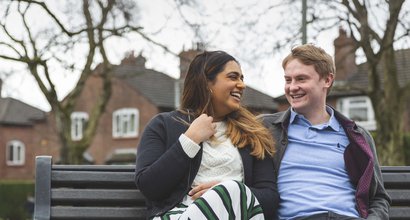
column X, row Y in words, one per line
column 253, row 47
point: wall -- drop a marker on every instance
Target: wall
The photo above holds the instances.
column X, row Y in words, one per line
column 123, row 96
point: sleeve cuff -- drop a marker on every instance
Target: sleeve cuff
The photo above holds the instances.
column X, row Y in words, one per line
column 190, row 147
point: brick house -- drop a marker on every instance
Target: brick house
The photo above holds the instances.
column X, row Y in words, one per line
column 353, row 102
column 138, row 94
column 25, row 131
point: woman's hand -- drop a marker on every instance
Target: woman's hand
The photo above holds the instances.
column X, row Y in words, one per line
column 201, row 129
column 200, row 189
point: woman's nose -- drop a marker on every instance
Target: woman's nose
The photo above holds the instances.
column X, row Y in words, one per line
column 241, row 85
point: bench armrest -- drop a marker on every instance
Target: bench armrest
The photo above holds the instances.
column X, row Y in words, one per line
column 42, row 188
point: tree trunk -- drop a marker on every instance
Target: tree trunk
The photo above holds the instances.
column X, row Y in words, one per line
column 61, row 126
column 389, row 110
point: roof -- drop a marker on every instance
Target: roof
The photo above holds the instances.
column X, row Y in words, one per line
column 15, row 112
column 255, row 99
column 160, row 88
column 156, row 86
column 361, row 79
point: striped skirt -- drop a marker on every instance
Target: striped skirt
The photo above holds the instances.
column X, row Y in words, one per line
column 227, row 200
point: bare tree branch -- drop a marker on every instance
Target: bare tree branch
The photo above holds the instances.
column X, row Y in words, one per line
column 54, row 17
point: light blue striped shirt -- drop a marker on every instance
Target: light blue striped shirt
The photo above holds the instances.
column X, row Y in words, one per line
column 312, row 176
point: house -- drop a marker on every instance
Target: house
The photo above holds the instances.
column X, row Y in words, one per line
column 25, row 131
column 138, row 94
column 352, row 102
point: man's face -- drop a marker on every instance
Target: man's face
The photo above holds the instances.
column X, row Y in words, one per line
column 304, row 89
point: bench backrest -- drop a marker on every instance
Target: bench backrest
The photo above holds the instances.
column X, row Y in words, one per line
column 86, row 192
column 108, row 191
column 397, row 183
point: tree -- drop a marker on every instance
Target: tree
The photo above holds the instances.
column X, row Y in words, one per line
column 388, row 98
column 90, row 24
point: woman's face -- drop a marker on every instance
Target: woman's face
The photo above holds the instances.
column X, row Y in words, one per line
column 226, row 90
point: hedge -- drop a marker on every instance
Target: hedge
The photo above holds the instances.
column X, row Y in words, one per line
column 15, row 200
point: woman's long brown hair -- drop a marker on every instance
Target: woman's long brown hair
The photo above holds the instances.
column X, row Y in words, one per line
column 243, row 128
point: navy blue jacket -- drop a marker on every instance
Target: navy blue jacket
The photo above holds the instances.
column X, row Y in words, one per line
column 164, row 173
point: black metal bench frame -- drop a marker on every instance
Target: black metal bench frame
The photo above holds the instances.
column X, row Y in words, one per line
column 108, row 191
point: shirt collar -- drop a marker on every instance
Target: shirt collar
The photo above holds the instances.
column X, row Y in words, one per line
column 293, row 115
column 332, row 123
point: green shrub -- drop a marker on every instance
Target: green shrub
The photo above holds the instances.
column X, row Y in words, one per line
column 14, row 196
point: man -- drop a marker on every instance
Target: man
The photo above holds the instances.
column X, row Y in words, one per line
column 326, row 165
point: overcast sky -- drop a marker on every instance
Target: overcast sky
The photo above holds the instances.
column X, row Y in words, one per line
column 263, row 73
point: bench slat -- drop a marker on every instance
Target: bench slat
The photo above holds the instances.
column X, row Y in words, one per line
column 397, row 180
column 395, row 169
column 112, row 168
column 399, row 213
column 88, row 213
column 92, row 179
column 96, row 196
column 399, row 196
column 91, row 176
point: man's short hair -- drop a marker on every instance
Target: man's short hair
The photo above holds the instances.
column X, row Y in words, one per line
column 310, row 54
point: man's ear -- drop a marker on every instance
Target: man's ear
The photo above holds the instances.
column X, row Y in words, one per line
column 329, row 79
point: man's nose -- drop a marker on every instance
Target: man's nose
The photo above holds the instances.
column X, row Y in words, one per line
column 293, row 86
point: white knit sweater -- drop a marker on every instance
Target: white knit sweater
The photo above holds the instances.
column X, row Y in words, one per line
column 221, row 160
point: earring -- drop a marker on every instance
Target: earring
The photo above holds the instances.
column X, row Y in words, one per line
column 210, row 90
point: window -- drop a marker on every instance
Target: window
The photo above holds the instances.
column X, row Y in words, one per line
column 359, row 109
column 125, row 122
column 15, row 151
column 78, row 125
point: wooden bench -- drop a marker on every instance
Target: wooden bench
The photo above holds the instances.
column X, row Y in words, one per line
column 108, row 191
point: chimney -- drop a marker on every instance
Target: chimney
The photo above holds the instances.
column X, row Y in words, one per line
column 186, row 57
column 345, row 58
column 130, row 59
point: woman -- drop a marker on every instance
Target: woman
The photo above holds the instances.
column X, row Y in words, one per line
column 211, row 158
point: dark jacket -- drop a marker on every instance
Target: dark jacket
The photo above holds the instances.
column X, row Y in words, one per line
column 164, row 173
column 360, row 157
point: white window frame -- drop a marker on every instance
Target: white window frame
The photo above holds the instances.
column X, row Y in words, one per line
column 78, row 121
column 125, row 123
column 344, row 105
column 18, row 151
